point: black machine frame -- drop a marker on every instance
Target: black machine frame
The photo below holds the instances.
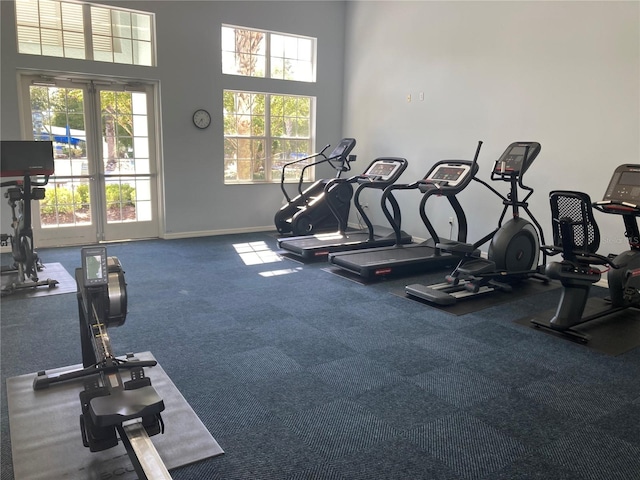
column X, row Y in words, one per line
column 513, row 254
column 112, row 409
column 24, row 159
column 577, row 238
column 308, row 212
column 400, row 257
column 378, row 175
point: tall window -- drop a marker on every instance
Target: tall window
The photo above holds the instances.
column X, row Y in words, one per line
column 58, row 28
column 257, row 53
column 263, row 132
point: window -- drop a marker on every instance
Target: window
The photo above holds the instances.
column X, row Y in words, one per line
column 257, row 53
column 264, row 131
column 50, row 27
column 58, row 28
column 121, row 36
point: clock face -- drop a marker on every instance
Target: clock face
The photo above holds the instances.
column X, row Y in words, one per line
column 201, row 118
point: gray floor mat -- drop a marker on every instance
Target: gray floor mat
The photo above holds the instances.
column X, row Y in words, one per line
column 45, row 431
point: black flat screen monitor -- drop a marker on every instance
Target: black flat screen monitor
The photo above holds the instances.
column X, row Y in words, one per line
column 23, row 157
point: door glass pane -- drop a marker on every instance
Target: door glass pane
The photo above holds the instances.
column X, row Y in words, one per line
column 126, row 156
column 58, row 115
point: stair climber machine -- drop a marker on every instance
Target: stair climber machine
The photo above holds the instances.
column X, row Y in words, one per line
column 308, row 212
column 380, row 173
column 112, row 408
column 577, row 237
column 25, row 159
column 515, row 245
column 446, row 178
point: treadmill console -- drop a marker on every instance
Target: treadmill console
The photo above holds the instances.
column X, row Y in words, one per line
column 624, row 186
column 449, row 174
column 343, row 148
column 513, row 162
column 383, row 170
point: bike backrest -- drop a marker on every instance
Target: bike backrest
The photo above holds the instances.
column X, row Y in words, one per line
column 574, row 226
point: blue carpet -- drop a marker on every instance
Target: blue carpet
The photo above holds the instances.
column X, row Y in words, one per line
column 299, row 374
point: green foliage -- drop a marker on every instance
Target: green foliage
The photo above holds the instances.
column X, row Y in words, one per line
column 83, row 192
column 60, row 199
column 120, row 194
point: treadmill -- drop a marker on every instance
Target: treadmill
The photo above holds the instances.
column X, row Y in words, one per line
column 380, row 174
column 446, row 178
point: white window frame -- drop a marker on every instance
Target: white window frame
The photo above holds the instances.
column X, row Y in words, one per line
column 230, row 56
column 73, row 39
column 267, row 138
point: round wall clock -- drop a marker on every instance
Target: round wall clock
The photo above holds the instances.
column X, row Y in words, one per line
column 201, row 118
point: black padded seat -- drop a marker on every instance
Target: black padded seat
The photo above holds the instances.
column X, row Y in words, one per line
column 123, row 405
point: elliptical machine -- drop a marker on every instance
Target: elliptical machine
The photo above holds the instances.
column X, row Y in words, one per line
column 577, row 237
column 513, row 253
column 24, row 159
column 308, row 212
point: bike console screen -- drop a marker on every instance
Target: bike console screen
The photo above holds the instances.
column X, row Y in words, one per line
column 624, row 185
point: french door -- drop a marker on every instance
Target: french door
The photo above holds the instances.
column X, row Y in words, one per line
column 106, row 180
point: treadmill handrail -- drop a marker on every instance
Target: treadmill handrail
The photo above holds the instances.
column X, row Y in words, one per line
column 429, row 188
column 365, row 181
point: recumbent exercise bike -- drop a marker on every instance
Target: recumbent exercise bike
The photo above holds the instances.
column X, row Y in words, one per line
column 577, row 237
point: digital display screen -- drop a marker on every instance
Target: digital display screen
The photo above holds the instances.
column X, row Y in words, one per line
column 630, row 178
column 518, row 151
column 448, row 173
column 381, row 169
column 94, row 266
column 343, row 148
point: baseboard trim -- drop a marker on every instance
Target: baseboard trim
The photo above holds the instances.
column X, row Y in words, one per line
column 213, row 233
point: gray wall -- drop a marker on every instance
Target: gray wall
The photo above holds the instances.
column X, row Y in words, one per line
column 565, row 74
column 189, row 74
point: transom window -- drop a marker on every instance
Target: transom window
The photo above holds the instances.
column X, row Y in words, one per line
column 263, row 132
column 259, row 53
column 85, row 31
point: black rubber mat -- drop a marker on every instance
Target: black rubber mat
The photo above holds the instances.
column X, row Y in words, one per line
column 45, row 431
column 613, row 334
column 54, row 271
column 487, row 300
